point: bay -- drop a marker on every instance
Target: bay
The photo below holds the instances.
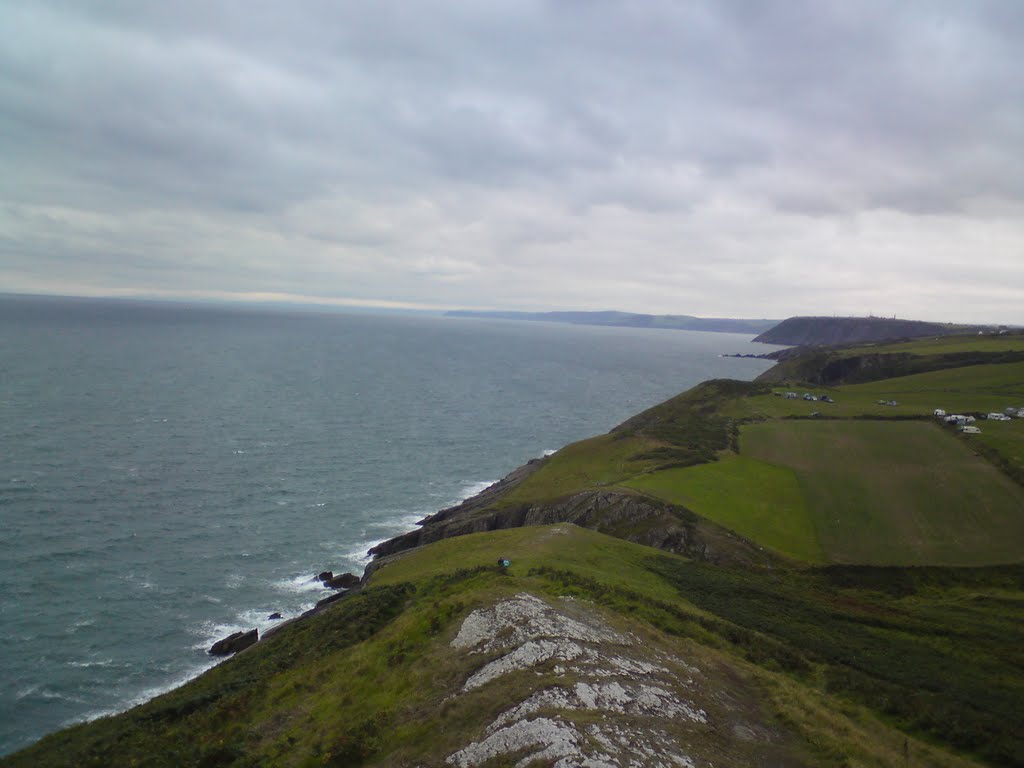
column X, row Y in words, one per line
column 171, row 473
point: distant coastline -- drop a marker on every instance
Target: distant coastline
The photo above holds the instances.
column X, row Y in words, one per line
column 630, row 320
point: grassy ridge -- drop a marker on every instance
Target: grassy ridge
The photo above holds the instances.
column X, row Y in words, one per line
column 871, row 635
column 368, row 681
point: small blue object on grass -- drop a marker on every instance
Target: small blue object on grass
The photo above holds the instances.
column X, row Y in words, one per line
column 503, row 563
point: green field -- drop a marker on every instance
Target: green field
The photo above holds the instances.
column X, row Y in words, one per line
column 760, row 501
column 972, row 389
column 977, row 388
column 863, row 483
column 943, row 345
column 1006, row 438
column 895, row 492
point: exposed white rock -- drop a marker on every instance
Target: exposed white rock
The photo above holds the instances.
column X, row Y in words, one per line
column 613, row 697
column 529, row 654
column 513, row 622
column 651, row 753
column 611, row 673
column 555, row 741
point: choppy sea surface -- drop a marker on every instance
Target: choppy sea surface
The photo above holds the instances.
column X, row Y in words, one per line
column 170, row 473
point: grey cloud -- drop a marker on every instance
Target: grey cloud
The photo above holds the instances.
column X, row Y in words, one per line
column 308, row 136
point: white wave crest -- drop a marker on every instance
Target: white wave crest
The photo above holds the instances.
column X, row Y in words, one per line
column 471, row 490
column 306, row 583
column 38, row 691
column 95, row 663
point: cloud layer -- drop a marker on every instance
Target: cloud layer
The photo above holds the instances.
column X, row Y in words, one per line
column 712, row 158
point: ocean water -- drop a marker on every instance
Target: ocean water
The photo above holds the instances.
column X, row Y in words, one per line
column 170, row 473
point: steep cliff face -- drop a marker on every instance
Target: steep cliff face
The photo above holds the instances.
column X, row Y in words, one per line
column 684, row 430
column 625, row 515
column 830, row 368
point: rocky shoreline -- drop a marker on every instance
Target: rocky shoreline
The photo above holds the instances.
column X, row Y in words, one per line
column 345, row 584
column 628, row 515
column 427, row 531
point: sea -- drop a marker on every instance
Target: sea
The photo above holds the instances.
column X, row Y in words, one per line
column 171, row 473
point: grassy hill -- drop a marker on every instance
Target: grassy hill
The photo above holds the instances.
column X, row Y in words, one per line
column 839, row 589
column 822, row 331
column 862, row 482
column 813, row 668
column 855, row 363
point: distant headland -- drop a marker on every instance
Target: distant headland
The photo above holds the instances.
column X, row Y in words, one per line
column 630, row 320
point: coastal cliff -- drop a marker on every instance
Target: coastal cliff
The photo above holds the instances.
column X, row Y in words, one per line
column 629, row 516
column 829, row 331
column 731, row 577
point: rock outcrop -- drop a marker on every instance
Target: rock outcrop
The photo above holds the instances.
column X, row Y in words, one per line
column 342, row 581
column 597, row 696
column 235, row 642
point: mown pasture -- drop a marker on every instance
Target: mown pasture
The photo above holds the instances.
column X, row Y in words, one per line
column 891, row 492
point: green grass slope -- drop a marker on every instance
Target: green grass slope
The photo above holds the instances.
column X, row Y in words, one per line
column 760, row 501
column 864, row 482
column 886, row 360
column 851, row 667
column 857, row 491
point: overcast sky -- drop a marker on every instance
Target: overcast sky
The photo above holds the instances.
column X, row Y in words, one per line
column 719, row 158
